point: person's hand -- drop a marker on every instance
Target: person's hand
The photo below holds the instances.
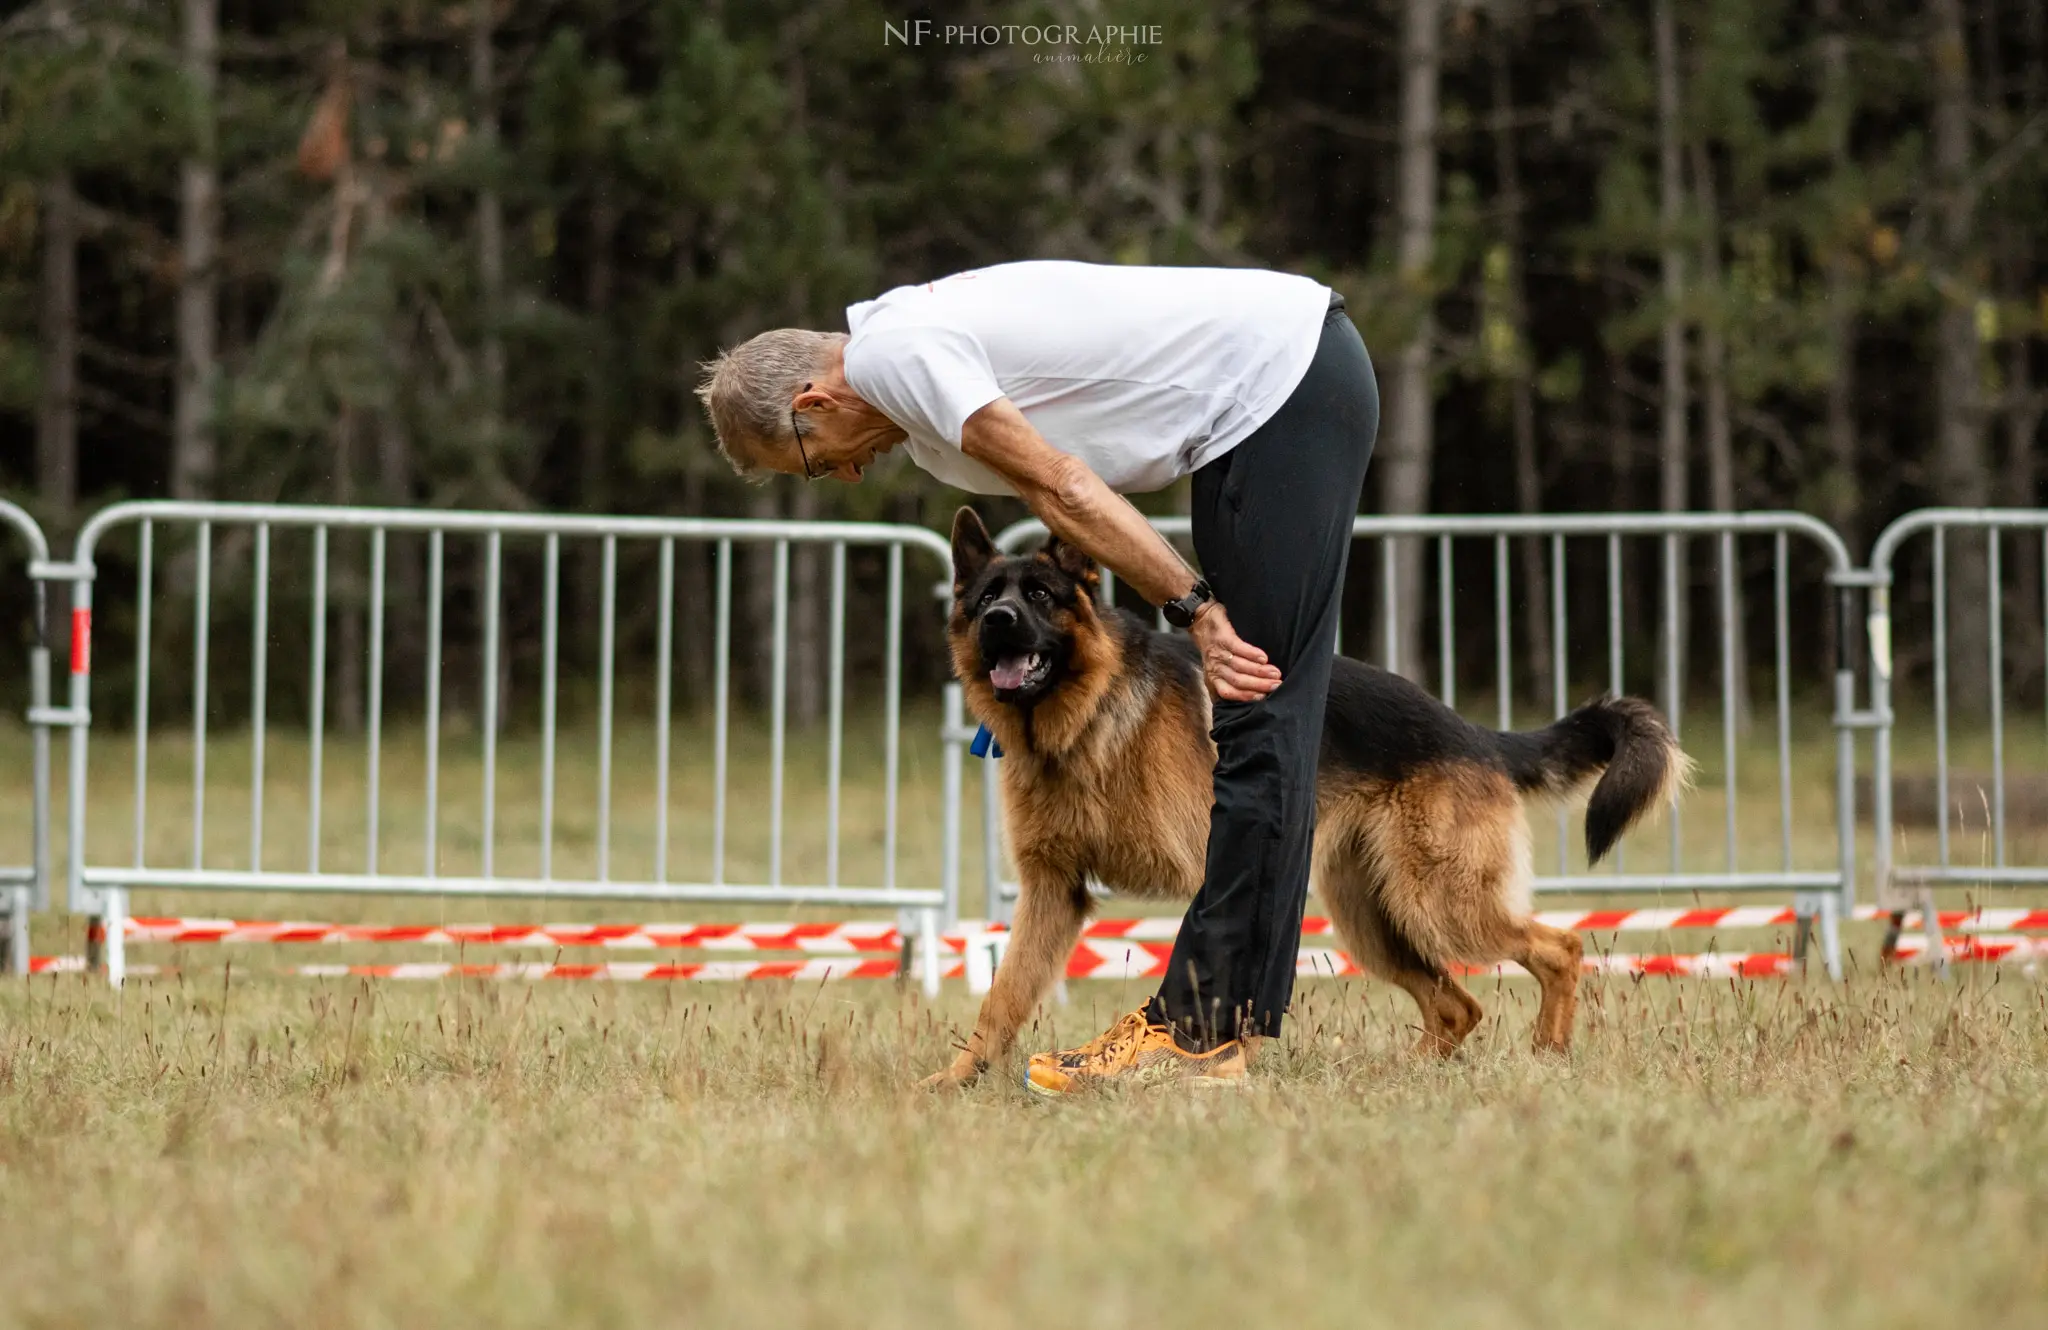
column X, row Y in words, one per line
column 1236, row 670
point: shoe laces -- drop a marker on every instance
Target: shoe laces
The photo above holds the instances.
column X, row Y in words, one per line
column 1116, row 1039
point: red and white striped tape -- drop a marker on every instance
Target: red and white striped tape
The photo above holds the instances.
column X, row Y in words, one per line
column 1164, row 927
column 875, row 937
column 1765, row 916
column 1100, row 960
column 1980, row 947
column 1976, row 921
column 1109, row 948
column 823, row 938
column 813, row 971
column 1096, row 958
column 1091, row 961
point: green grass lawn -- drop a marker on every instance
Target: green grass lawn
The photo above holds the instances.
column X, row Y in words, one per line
column 240, row 1147
column 280, row 1153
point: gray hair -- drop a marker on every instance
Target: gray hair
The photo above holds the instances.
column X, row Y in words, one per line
column 747, row 391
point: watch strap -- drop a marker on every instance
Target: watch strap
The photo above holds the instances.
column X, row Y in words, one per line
column 1181, row 613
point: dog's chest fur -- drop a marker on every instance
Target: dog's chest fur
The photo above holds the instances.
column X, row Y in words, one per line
column 1128, row 803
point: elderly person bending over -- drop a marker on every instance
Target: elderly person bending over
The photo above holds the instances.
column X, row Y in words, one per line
column 1069, row 385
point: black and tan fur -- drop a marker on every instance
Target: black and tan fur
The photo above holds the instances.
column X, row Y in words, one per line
column 1422, row 851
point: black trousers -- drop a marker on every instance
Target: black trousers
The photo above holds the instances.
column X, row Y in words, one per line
column 1272, row 528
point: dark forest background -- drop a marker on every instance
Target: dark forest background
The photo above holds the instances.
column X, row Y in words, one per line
column 1720, row 254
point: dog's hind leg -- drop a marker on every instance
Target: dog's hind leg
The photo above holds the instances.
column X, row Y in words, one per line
column 1553, row 956
column 1349, row 888
column 1052, row 903
column 1449, row 1013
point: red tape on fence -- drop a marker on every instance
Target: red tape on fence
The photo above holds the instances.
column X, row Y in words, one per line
column 881, row 938
column 1094, row 958
column 81, row 641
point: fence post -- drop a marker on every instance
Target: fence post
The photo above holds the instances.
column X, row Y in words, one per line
column 17, row 930
column 21, row 897
column 36, row 895
column 39, row 705
column 951, row 722
column 928, row 937
column 957, row 735
column 1836, row 905
column 105, row 915
column 1878, row 628
column 1889, row 897
column 1886, row 894
column 1001, row 904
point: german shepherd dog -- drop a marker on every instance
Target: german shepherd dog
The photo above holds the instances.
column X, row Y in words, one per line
column 1422, row 849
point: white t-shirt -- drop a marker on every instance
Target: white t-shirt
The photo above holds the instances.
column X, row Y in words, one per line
column 1145, row 374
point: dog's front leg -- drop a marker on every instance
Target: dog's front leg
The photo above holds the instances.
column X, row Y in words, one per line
column 1052, row 902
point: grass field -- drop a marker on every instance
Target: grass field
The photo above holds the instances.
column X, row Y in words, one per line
column 344, row 1154
column 246, row 1148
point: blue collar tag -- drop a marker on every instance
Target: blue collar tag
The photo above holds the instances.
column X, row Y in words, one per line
column 985, row 744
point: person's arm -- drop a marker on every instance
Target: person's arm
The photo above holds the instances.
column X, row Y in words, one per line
column 1075, row 505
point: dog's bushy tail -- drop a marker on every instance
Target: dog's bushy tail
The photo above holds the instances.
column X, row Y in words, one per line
column 1623, row 741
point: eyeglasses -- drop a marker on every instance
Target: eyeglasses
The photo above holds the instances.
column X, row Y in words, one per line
column 799, row 436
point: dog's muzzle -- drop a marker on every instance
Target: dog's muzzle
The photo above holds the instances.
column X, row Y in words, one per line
column 1013, row 662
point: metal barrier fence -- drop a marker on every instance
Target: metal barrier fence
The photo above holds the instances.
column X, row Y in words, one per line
column 28, row 887
column 1823, row 892
column 1628, row 636
column 1954, row 536
column 184, row 537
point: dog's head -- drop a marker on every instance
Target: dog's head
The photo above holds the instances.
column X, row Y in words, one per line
column 1026, row 623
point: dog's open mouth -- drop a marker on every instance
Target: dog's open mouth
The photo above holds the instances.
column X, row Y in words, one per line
column 1014, row 672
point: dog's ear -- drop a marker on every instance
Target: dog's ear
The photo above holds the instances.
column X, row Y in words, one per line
column 1074, row 562
column 973, row 551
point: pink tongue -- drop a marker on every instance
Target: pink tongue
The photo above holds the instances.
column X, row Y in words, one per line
column 1008, row 673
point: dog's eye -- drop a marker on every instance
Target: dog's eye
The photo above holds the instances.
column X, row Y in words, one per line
column 1038, row 593
column 990, row 594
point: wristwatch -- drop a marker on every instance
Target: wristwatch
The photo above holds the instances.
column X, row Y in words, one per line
column 1181, row 613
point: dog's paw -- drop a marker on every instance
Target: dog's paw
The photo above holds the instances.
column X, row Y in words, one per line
column 952, row 1078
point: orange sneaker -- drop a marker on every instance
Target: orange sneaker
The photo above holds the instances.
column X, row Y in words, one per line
column 1132, row 1052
